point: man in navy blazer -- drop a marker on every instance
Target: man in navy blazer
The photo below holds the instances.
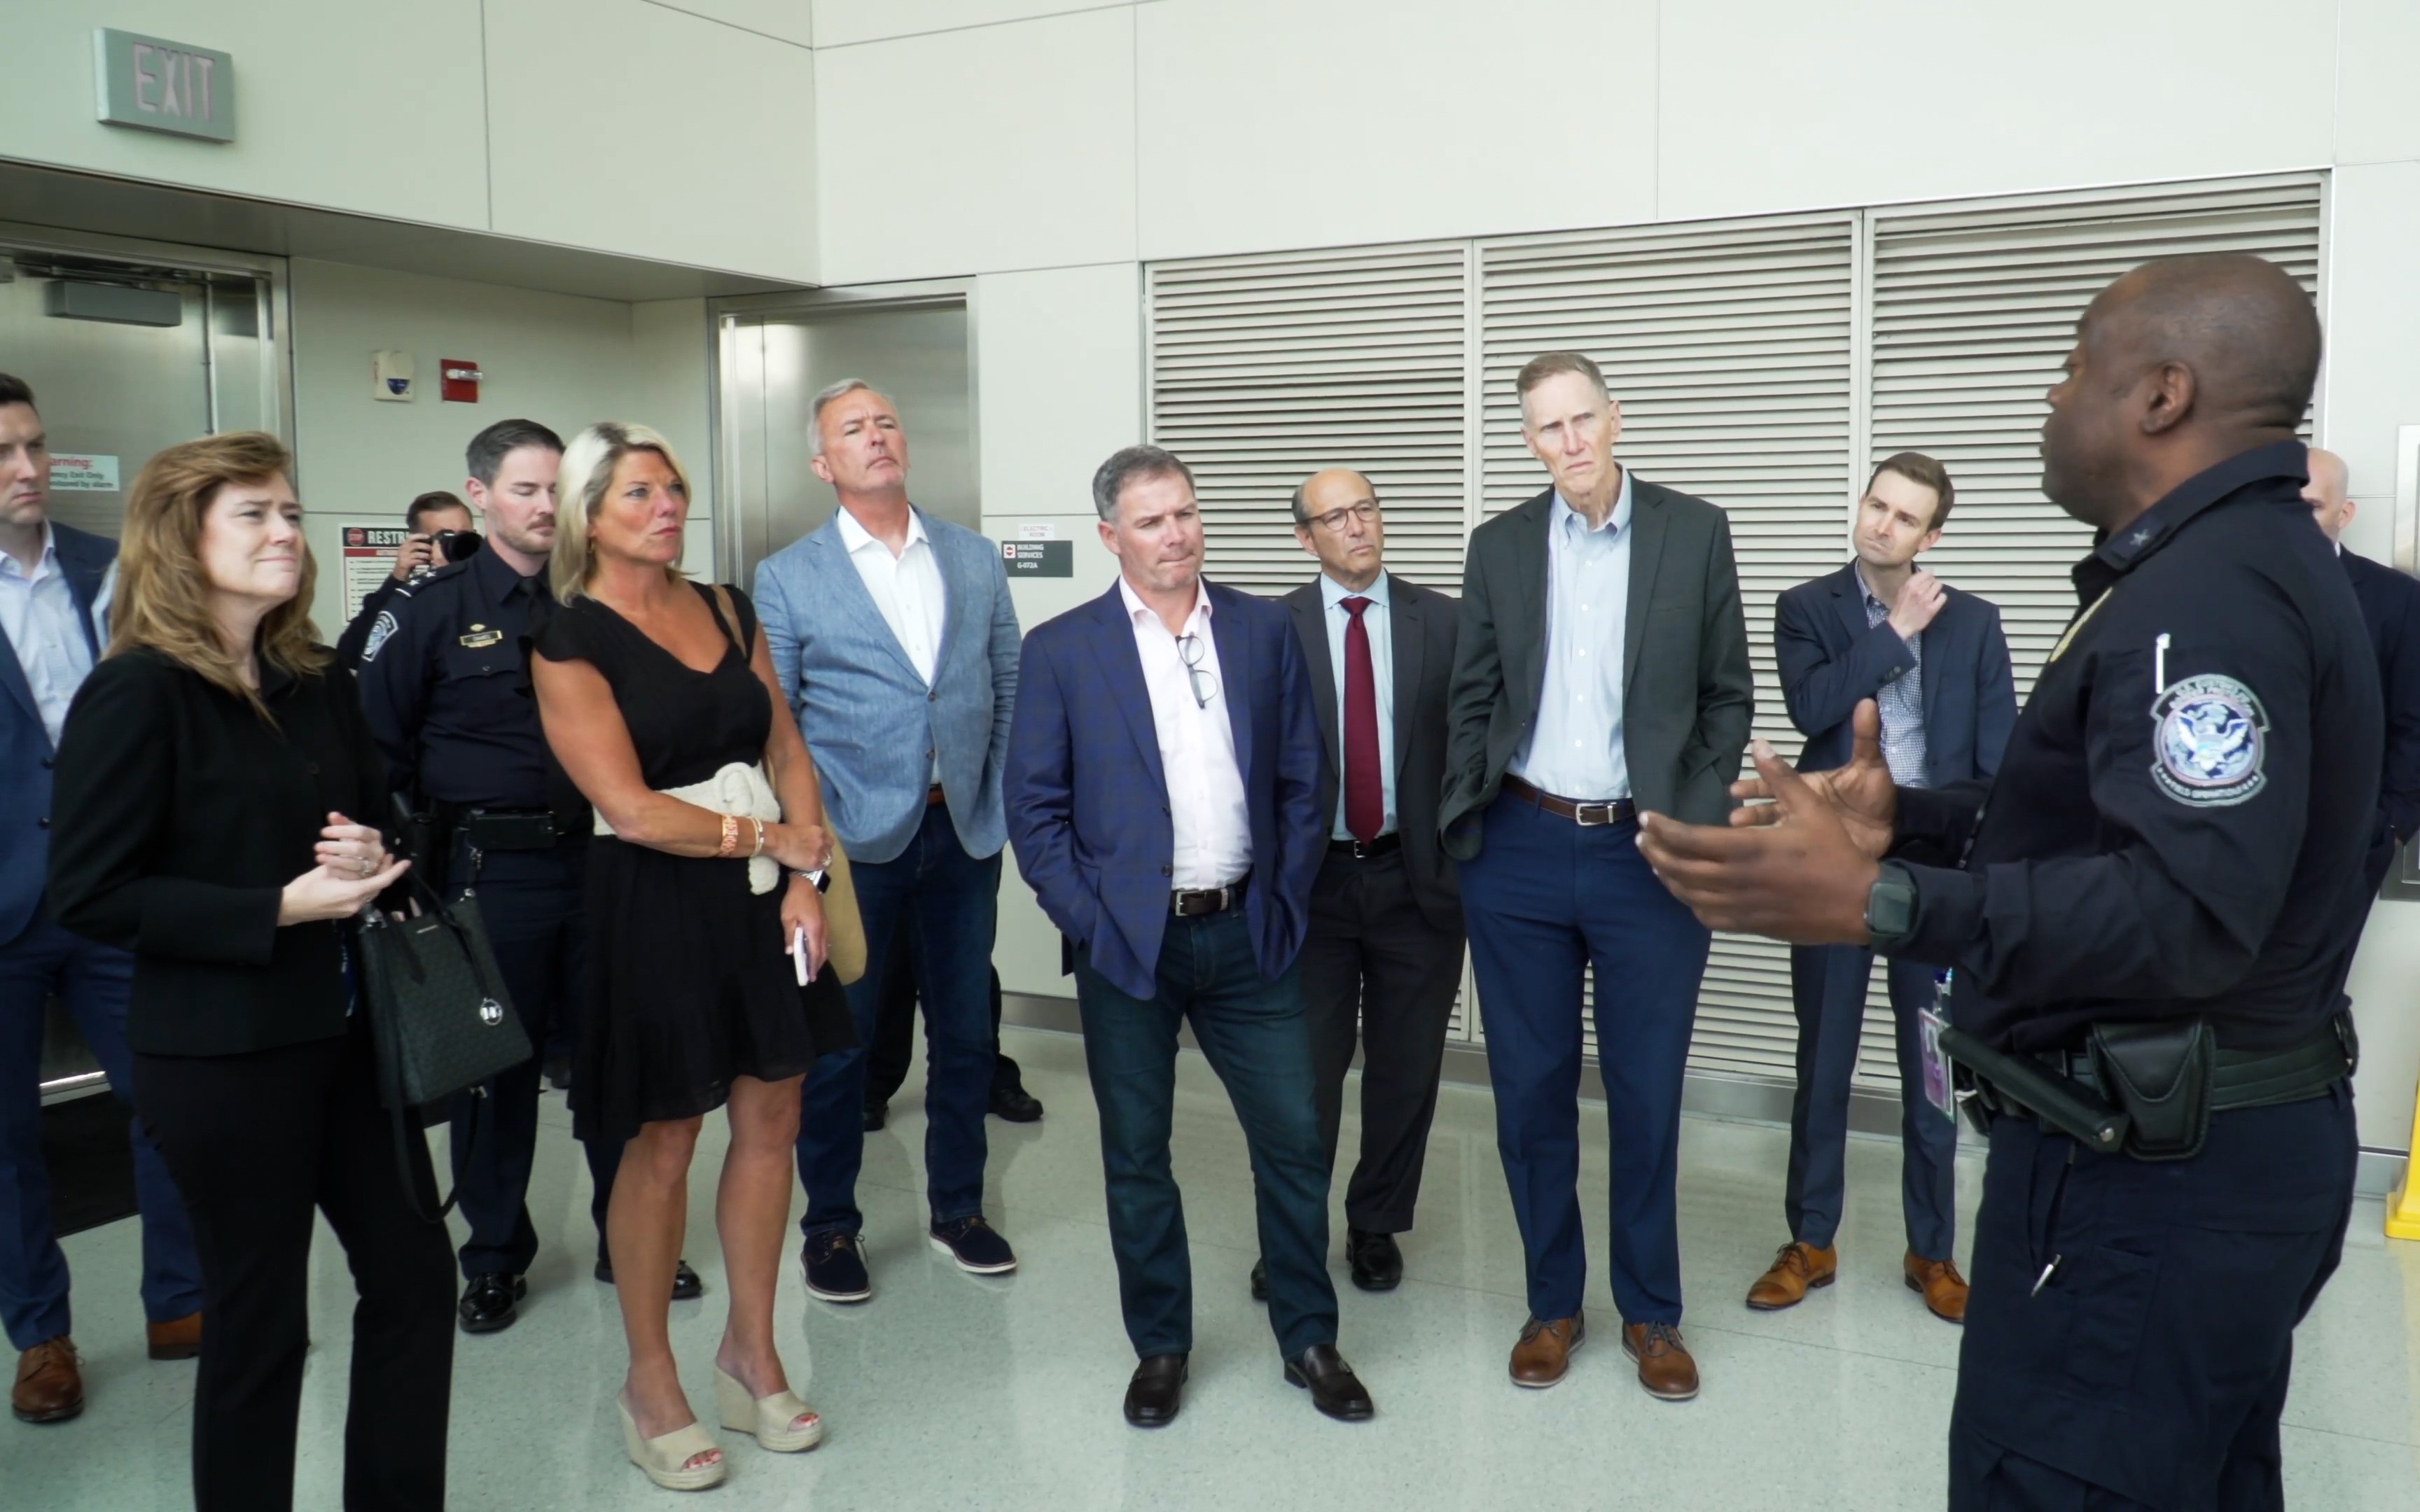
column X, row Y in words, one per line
column 892, row 637
column 1935, row 662
column 2390, row 606
column 1163, row 798
column 51, row 634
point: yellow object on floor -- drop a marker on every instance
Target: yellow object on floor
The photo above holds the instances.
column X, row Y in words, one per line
column 2403, row 1203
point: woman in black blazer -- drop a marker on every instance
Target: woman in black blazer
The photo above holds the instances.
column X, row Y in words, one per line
column 200, row 820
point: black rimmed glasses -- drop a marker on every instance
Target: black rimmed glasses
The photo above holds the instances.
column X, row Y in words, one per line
column 1333, row 521
column 1192, row 651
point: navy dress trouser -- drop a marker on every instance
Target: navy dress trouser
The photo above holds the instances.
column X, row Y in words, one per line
column 1544, row 900
column 1252, row 1031
column 1827, row 987
column 91, row 982
column 2148, row 1366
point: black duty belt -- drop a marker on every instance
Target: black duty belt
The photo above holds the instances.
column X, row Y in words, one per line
column 492, row 830
column 1587, row 816
column 1362, row 850
column 2241, row 1079
column 1194, row 903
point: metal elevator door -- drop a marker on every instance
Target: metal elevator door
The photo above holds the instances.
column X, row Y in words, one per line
column 778, row 351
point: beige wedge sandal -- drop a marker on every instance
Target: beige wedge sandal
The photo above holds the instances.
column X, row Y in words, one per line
column 780, row 1422
column 666, row 1457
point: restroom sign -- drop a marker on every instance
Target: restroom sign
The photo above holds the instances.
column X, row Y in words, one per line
column 158, row 86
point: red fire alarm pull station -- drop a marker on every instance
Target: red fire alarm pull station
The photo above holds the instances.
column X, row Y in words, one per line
column 458, row 381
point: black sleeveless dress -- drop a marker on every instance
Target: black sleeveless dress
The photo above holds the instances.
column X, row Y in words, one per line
column 688, row 981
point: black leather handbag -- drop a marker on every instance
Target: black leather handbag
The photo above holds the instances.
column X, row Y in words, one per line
column 440, row 1020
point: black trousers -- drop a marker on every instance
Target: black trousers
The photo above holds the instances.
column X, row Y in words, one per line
column 1374, row 968
column 257, row 1142
column 532, row 904
column 2131, row 1333
column 893, row 1052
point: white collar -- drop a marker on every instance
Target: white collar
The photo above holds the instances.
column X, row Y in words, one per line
column 47, row 556
column 855, row 537
column 1137, row 608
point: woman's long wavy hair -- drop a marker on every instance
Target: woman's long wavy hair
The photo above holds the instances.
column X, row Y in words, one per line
column 163, row 600
column 586, row 472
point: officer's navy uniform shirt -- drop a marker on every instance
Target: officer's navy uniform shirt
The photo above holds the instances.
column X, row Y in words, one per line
column 2158, row 850
column 447, row 689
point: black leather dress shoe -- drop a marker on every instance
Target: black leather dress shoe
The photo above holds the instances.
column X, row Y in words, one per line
column 1334, row 1390
column 685, row 1286
column 1015, row 1105
column 1378, row 1262
column 491, row 1302
column 1157, row 1391
column 876, row 1115
column 1259, row 1280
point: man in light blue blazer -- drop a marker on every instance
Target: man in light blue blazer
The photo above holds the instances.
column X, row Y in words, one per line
column 896, row 643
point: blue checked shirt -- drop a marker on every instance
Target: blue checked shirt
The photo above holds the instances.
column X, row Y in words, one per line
column 1901, row 701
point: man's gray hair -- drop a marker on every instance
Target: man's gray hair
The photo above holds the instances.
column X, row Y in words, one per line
column 1128, row 464
column 832, row 391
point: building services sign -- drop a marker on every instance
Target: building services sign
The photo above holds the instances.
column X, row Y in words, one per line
column 167, row 86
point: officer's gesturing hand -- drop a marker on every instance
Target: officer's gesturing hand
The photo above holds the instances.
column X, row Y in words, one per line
column 1801, row 877
column 1861, row 793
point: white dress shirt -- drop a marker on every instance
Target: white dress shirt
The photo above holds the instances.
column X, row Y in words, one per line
column 1378, row 620
column 906, row 589
column 1576, row 749
column 38, row 614
column 1197, row 746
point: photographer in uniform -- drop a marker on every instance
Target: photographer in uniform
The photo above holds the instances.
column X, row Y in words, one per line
column 437, row 532
column 445, row 684
column 2150, row 921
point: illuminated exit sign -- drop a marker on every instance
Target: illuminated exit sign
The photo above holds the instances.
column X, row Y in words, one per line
column 158, row 86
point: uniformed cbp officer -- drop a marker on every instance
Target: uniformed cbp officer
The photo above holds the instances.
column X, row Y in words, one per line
column 2175, row 842
column 445, row 689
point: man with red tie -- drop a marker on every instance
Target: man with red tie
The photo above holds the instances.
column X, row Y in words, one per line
column 1385, row 944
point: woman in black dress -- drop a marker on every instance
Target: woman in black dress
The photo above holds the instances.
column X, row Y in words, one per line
column 658, row 699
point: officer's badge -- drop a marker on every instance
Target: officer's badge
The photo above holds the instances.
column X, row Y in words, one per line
column 378, row 632
column 2212, row 738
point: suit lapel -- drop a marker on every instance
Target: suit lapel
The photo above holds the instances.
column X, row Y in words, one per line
column 85, row 576
column 850, row 587
column 1648, row 525
column 1310, row 607
column 1113, row 648
column 1928, row 689
column 1404, row 626
column 957, row 600
column 1527, row 636
column 1849, row 601
column 12, row 677
column 1234, row 638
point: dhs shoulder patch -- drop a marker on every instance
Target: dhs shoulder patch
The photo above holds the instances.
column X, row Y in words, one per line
column 379, row 629
column 2211, row 737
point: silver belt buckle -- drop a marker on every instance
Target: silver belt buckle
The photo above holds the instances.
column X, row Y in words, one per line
column 1603, row 812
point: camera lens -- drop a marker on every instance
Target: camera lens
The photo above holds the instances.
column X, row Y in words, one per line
column 455, row 546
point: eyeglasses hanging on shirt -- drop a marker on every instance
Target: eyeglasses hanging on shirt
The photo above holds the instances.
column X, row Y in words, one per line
column 1191, row 650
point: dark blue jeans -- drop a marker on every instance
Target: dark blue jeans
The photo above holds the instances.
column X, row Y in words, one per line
column 953, row 900
column 1827, row 987
column 2130, row 1337
column 1253, row 1031
column 91, row 982
column 1544, row 899
column 532, row 904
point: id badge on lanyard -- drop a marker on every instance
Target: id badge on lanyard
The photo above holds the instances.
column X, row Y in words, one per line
column 1931, row 1020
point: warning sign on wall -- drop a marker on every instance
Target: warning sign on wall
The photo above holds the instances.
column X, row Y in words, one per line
column 369, row 559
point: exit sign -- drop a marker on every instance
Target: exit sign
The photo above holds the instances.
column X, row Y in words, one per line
column 157, row 85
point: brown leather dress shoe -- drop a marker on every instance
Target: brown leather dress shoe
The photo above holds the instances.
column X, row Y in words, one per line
column 49, row 1387
column 1797, row 1269
column 179, row 1339
column 1665, row 1367
column 1942, row 1288
column 1544, row 1355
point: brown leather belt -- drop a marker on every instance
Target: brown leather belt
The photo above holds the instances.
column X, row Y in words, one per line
column 933, row 796
column 1587, row 816
column 1194, row 903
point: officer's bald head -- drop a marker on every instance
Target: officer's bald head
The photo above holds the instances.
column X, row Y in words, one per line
column 2240, row 323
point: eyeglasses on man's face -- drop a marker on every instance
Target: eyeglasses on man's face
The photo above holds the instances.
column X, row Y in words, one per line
column 1192, row 651
column 1333, row 521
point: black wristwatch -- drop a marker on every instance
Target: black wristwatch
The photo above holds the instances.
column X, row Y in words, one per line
column 1890, row 909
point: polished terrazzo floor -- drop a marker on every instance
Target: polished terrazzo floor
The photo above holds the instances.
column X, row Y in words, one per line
column 957, row 1392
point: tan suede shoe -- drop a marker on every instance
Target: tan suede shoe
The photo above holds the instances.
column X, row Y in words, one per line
column 1942, row 1288
column 50, row 1388
column 1544, row 1355
column 1797, row 1269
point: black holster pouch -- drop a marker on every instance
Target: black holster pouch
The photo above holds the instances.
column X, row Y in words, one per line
column 2157, row 1075
column 427, row 837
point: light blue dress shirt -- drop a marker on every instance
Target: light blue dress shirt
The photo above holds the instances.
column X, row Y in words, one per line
column 1575, row 750
column 1901, row 702
column 38, row 614
column 1377, row 619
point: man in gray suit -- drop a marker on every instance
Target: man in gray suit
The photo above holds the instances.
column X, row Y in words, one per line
column 893, row 638
column 1383, row 959
column 1602, row 670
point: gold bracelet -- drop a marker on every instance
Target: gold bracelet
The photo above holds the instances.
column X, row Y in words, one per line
column 730, row 835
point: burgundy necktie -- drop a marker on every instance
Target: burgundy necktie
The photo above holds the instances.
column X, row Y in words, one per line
column 1365, row 791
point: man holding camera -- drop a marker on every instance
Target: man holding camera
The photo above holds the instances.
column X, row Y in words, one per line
column 436, row 526
column 443, row 684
